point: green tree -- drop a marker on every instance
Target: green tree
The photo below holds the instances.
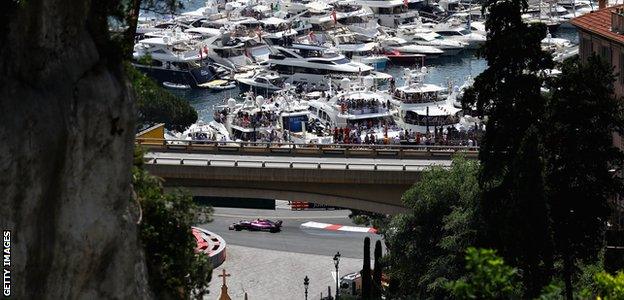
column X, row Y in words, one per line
column 488, row 277
column 174, row 269
column 156, row 105
column 508, row 93
column 581, row 116
column 377, row 273
column 426, row 244
column 610, row 287
column 366, row 271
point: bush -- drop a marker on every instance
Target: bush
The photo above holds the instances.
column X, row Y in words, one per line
column 488, row 277
column 174, row 269
column 610, row 286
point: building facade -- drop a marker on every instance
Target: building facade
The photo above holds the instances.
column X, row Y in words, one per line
column 602, row 32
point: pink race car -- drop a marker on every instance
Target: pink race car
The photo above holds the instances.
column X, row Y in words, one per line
column 257, row 225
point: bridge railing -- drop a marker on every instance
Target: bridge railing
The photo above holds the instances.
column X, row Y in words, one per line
column 253, row 163
column 297, row 149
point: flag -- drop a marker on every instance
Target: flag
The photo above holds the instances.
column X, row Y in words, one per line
column 333, row 14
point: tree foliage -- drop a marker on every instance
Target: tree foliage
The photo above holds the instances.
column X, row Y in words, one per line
column 366, row 271
column 508, row 94
column 426, row 244
column 488, row 277
column 610, row 286
column 156, row 105
column 377, row 272
column 174, row 269
column 581, row 116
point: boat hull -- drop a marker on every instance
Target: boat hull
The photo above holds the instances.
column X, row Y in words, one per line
column 192, row 78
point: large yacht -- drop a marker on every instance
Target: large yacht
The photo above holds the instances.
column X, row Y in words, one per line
column 361, row 110
column 228, row 51
column 423, row 107
column 426, row 37
column 261, row 83
column 309, row 64
column 366, row 53
column 403, row 46
column 390, row 13
column 173, row 60
column 473, row 40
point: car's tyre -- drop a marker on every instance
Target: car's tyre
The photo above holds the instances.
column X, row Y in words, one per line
column 237, row 228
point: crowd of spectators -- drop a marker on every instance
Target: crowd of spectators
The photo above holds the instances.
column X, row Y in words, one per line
column 258, row 119
column 362, row 106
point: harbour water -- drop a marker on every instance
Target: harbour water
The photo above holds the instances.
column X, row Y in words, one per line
column 442, row 71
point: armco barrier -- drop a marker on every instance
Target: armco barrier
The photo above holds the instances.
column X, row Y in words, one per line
column 293, row 149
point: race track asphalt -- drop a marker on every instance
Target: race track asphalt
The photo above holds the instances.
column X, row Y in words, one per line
column 293, row 238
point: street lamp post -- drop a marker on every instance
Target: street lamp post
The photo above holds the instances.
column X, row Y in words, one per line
column 336, row 263
column 306, row 282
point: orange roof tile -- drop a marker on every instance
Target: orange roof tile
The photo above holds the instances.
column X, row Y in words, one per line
column 599, row 22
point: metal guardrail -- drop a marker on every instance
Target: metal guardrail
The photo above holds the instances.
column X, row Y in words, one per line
column 284, row 164
column 295, row 149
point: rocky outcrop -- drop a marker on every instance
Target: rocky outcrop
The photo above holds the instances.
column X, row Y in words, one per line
column 66, row 131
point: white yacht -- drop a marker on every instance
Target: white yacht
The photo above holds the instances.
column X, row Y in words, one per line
column 227, row 51
column 276, row 29
column 359, row 19
column 362, row 110
column 560, row 48
column 366, row 53
column 403, row 46
column 173, row 60
column 261, row 82
column 390, row 13
column 473, row 40
column 309, row 64
column 422, row 106
column 251, row 120
column 575, row 9
column 201, row 131
column 426, row 37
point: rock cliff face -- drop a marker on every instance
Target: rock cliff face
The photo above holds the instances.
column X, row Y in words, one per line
column 66, row 130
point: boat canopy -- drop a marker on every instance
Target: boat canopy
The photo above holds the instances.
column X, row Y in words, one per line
column 273, row 21
column 436, row 110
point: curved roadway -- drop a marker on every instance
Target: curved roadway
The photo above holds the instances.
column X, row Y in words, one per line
column 292, row 238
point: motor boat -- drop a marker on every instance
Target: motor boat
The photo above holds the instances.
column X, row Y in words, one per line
column 473, row 40
column 423, row 106
column 366, row 53
column 178, row 86
column 228, row 51
column 200, row 131
column 426, row 37
column 314, row 65
column 219, row 85
column 390, row 13
column 175, row 60
column 261, row 82
column 403, row 46
column 359, row 109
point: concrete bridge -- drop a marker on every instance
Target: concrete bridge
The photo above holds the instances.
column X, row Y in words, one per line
column 370, row 177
